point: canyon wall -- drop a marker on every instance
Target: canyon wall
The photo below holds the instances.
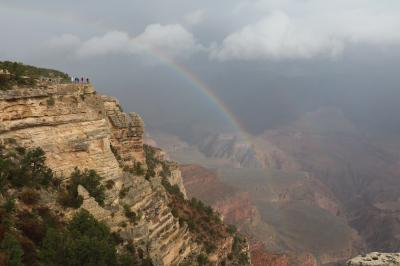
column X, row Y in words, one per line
column 77, row 128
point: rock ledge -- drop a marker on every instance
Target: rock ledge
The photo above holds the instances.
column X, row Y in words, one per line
column 376, row 259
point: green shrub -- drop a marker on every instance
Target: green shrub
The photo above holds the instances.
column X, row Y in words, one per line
column 123, row 192
column 210, row 247
column 151, row 161
column 172, row 189
column 209, row 211
column 238, row 243
column 202, row 260
column 110, row 184
column 115, row 152
column 48, row 218
column 22, row 168
column 90, row 180
column 147, row 262
column 30, row 252
column 138, row 169
column 9, row 205
column 31, row 226
column 231, row 229
column 12, row 248
column 131, row 215
column 70, row 198
column 85, row 241
column 126, row 260
column 29, row 196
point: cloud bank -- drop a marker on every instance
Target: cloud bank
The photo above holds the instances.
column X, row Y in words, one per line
column 171, row 40
column 291, row 30
column 276, row 36
column 268, row 30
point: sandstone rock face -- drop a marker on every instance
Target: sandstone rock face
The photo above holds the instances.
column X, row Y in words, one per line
column 176, row 178
column 78, row 128
column 376, row 259
column 66, row 120
column 157, row 230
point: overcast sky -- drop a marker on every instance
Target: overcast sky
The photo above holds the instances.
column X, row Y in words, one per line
column 267, row 60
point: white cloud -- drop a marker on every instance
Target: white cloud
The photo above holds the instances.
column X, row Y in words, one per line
column 195, row 17
column 275, row 36
column 172, row 40
column 304, row 29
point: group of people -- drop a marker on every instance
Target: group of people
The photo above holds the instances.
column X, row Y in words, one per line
column 80, row 80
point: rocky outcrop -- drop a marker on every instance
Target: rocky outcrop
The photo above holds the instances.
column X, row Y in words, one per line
column 376, row 259
column 127, row 132
column 246, row 152
column 233, row 148
column 175, row 176
column 91, row 205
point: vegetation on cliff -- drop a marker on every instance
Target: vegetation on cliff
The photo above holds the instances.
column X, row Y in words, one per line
column 21, row 168
column 21, row 74
column 31, row 233
column 90, row 180
column 207, row 228
column 83, row 241
column 152, row 161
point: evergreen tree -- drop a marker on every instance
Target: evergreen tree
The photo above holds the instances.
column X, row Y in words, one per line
column 85, row 242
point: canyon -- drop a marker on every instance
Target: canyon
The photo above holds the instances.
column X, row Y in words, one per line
column 314, row 192
column 319, row 179
column 78, row 128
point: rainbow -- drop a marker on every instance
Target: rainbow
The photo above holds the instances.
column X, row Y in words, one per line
column 179, row 68
column 196, row 82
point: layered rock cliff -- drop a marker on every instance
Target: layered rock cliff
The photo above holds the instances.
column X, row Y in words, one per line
column 77, row 128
